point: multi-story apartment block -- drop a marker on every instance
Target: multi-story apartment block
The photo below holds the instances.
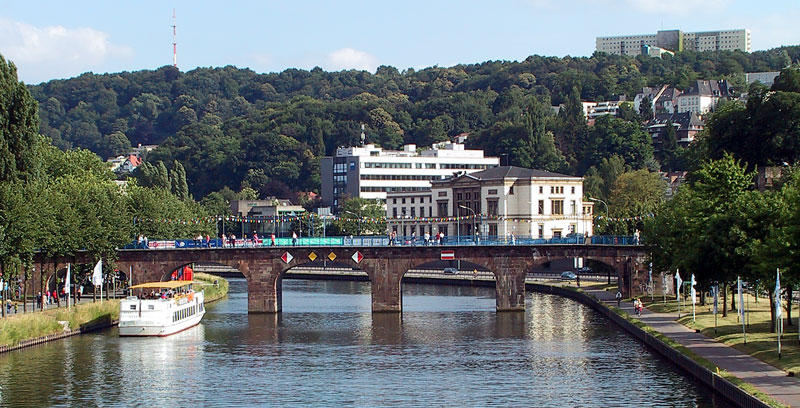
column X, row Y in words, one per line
column 675, row 40
column 496, row 202
column 371, row 172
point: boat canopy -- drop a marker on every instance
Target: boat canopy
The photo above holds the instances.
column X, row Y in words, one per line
column 162, row 285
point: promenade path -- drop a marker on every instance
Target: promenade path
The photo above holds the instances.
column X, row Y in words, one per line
column 763, row 376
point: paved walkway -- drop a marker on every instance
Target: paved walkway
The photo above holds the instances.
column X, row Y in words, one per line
column 750, row 369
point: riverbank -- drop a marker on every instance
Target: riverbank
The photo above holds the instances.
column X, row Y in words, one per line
column 760, row 344
column 214, row 287
column 29, row 329
column 740, row 377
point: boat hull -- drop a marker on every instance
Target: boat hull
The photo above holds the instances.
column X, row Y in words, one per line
column 160, row 331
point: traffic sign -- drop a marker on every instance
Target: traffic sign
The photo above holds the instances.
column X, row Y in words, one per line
column 448, row 254
column 357, row 257
column 331, row 256
column 286, row 257
column 312, row 256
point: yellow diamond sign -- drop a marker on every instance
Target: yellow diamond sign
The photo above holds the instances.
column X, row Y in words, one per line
column 312, row 256
column 331, row 256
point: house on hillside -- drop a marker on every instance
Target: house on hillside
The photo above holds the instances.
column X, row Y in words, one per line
column 704, row 95
column 687, row 125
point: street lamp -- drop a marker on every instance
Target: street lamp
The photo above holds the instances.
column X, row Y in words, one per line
column 467, row 208
column 358, row 217
column 599, row 200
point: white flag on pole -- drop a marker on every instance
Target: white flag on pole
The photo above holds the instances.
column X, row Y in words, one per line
column 66, row 281
column 693, row 290
column 741, row 298
column 778, row 309
column 678, row 285
column 97, row 275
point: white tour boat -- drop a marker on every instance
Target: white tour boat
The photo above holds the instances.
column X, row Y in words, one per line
column 161, row 309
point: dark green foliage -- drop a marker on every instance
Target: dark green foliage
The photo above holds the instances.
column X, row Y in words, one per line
column 233, row 127
column 19, row 125
column 765, row 131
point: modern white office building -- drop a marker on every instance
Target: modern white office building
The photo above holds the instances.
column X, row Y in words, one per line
column 500, row 201
column 675, row 40
column 371, row 172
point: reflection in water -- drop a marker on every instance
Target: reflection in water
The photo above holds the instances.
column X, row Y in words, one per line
column 449, row 347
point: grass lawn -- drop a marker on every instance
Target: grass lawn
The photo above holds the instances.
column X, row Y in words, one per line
column 205, row 282
column 760, row 342
column 16, row 328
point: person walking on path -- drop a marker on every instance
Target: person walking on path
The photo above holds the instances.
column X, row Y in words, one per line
column 427, row 238
column 413, row 238
column 294, row 238
column 619, row 298
column 272, row 239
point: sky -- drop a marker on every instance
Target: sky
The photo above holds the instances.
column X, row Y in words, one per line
column 60, row 39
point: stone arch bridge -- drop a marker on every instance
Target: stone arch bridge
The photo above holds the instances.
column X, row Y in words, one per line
column 264, row 267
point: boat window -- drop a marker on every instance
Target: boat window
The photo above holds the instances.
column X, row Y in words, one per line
column 151, row 307
column 133, row 307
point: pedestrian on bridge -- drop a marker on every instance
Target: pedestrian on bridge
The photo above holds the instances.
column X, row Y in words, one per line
column 294, row 238
column 272, row 239
column 427, row 238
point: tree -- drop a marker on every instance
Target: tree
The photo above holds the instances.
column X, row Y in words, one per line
column 669, row 146
column 699, row 231
column 178, row 180
column 611, row 136
column 635, row 196
column 369, row 218
column 19, row 125
column 646, row 109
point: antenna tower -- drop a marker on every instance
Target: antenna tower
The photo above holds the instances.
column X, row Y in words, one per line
column 174, row 42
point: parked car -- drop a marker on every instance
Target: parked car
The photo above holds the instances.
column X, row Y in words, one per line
column 450, row 271
column 569, row 275
column 585, row 269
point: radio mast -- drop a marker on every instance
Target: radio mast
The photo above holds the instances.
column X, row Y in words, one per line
column 174, row 42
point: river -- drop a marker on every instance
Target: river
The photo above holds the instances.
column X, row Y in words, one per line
column 449, row 348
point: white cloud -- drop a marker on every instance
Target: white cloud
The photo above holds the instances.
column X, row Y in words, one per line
column 677, row 6
column 57, row 52
column 348, row 58
column 341, row 59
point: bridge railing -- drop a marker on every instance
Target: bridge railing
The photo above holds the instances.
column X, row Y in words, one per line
column 378, row 241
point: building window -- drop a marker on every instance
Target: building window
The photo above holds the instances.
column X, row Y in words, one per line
column 573, row 189
column 412, row 200
column 443, row 229
column 493, row 229
column 557, row 234
column 443, row 194
column 492, row 191
column 413, row 211
column 491, row 208
column 572, row 208
column 541, row 189
column 421, row 211
column 403, row 200
column 541, row 231
column 394, row 201
column 511, row 190
column 557, row 207
column 442, row 208
column 394, row 212
column 541, row 207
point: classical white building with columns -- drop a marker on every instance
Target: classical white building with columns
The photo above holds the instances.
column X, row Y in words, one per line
column 500, row 201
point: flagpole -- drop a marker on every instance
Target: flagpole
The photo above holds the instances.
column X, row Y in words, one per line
column 69, row 266
column 741, row 308
column 778, row 311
